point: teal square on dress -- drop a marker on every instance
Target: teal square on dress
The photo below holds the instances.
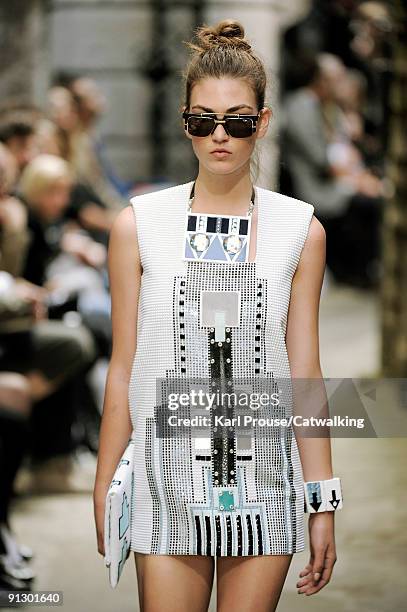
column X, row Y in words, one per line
column 226, row 501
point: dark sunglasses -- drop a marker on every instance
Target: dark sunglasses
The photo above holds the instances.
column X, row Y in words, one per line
column 203, row 124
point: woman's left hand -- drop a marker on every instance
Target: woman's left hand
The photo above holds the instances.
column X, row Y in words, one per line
column 317, row 572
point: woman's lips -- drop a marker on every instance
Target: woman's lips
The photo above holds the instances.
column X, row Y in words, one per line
column 220, row 153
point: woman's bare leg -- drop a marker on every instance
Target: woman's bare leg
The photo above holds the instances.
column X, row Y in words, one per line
column 174, row 583
column 251, row 583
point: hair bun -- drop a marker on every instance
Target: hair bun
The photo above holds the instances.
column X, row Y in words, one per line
column 227, row 33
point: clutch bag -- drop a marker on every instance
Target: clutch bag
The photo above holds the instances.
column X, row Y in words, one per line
column 119, row 501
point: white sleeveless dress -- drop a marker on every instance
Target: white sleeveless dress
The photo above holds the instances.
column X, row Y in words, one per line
column 235, row 495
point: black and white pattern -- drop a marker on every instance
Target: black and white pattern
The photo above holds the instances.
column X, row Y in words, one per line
column 223, row 493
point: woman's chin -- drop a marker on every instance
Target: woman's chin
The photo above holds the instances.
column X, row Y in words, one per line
column 221, row 167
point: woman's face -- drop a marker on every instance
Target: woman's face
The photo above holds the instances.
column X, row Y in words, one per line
column 8, row 171
column 53, row 200
column 62, row 108
column 220, row 96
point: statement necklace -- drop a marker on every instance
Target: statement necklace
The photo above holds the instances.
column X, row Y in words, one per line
column 223, row 238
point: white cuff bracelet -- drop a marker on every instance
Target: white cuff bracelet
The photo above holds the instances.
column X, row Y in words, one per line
column 323, row 495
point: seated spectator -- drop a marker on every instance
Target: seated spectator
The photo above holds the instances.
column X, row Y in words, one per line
column 49, row 138
column 56, row 136
column 14, row 236
column 345, row 194
column 62, row 111
column 17, row 133
column 89, row 160
column 45, row 187
column 351, row 96
column 66, row 261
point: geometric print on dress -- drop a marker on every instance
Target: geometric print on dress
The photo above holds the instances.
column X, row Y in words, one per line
column 228, row 497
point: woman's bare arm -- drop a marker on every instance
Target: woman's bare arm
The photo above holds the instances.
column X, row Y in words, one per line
column 310, row 399
column 125, row 276
column 302, row 341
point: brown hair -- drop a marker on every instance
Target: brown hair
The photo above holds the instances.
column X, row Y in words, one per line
column 222, row 50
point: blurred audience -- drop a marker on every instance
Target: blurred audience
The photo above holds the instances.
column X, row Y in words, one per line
column 336, row 72
column 89, row 158
column 61, row 134
column 65, row 260
column 54, row 315
column 327, row 169
column 59, row 196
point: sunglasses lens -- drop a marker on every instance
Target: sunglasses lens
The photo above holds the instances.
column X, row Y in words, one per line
column 200, row 126
column 239, row 128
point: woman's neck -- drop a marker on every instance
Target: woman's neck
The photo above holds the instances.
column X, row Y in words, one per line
column 226, row 194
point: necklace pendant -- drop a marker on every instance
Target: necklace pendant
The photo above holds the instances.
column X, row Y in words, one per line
column 220, row 238
column 199, row 242
column 232, row 244
column 224, row 239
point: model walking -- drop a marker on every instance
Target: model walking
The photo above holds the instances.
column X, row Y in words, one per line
column 216, row 280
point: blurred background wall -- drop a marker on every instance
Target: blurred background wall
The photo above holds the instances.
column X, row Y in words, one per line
column 134, row 50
